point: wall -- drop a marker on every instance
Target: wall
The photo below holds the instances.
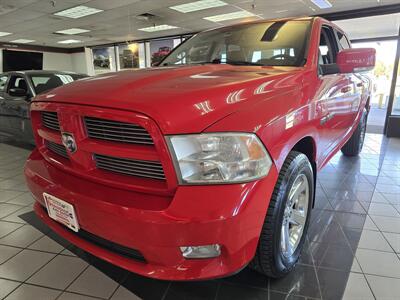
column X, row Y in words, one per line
column 57, row 61
column 82, row 62
column 78, row 62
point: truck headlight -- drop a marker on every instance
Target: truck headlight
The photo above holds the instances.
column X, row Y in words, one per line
column 219, row 157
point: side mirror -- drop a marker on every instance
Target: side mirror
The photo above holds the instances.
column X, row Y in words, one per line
column 17, row 92
column 356, row 60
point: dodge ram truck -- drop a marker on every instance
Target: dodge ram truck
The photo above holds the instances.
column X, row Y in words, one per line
column 207, row 163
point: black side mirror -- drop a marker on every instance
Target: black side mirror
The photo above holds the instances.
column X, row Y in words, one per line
column 329, row 69
column 17, row 92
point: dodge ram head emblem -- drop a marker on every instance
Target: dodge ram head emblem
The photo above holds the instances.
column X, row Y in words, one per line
column 68, row 141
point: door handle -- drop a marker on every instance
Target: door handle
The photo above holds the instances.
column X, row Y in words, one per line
column 360, row 84
column 346, row 89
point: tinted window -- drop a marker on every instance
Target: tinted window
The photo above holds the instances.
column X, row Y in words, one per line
column 3, row 81
column 344, row 43
column 46, row 82
column 280, row 43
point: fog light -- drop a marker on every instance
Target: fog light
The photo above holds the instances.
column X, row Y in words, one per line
column 207, row 251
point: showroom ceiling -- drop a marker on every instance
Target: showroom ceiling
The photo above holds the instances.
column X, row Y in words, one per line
column 37, row 21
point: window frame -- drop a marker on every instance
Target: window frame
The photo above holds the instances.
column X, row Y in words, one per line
column 329, row 34
column 337, row 31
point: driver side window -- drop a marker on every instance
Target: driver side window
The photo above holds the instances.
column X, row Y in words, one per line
column 327, row 51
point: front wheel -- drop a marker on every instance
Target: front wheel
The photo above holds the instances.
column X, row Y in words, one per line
column 286, row 223
column 355, row 144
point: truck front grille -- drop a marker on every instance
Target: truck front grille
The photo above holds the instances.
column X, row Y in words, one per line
column 50, row 120
column 57, row 148
column 117, row 131
column 132, row 167
column 113, row 147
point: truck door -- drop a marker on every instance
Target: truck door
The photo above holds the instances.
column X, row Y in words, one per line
column 334, row 96
column 356, row 82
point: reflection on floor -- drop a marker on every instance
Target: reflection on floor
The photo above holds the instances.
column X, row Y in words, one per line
column 353, row 245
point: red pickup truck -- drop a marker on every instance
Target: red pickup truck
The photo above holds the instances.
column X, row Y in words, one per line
column 206, row 164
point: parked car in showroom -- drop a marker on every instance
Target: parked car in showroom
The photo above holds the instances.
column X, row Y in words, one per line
column 16, row 92
column 208, row 163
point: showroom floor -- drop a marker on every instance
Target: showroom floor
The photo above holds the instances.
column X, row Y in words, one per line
column 353, row 246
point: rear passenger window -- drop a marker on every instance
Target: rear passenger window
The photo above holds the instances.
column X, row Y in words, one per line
column 3, row 81
column 344, row 43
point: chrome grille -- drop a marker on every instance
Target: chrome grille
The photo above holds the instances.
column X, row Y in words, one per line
column 117, row 131
column 57, row 148
column 50, row 120
column 132, row 167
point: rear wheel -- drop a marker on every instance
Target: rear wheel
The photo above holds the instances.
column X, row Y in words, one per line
column 285, row 226
column 355, row 144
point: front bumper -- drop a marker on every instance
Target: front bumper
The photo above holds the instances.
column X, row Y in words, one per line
column 229, row 215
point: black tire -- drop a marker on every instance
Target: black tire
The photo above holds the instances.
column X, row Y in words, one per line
column 269, row 258
column 355, row 144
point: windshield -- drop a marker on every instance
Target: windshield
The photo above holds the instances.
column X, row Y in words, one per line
column 281, row 43
column 45, row 82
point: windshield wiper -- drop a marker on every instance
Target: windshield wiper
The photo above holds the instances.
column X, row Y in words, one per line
column 242, row 63
column 218, row 61
column 215, row 62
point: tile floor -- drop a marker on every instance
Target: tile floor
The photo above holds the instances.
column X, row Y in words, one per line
column 352, row 250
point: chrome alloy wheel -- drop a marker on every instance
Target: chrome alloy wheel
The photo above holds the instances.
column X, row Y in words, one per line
column 295, row 215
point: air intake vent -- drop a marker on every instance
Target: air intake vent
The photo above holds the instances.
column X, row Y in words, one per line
column 117, row 131
column 50, row 120
column 138, row 168
column 57, row 148
column 119, row 249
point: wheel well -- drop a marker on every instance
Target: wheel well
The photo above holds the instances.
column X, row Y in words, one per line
column 307, row 147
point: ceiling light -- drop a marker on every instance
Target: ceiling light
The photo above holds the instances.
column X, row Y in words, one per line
column 230, row 16
column 322, row 4
column 198, row 5
column 4, row 33
column 22, row 41
column 69, row 42
column 78, row 12
column 157, row 28
column 133, row 47
column 72, row 31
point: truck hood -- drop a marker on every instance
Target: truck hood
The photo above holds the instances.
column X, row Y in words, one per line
column 184, row 99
